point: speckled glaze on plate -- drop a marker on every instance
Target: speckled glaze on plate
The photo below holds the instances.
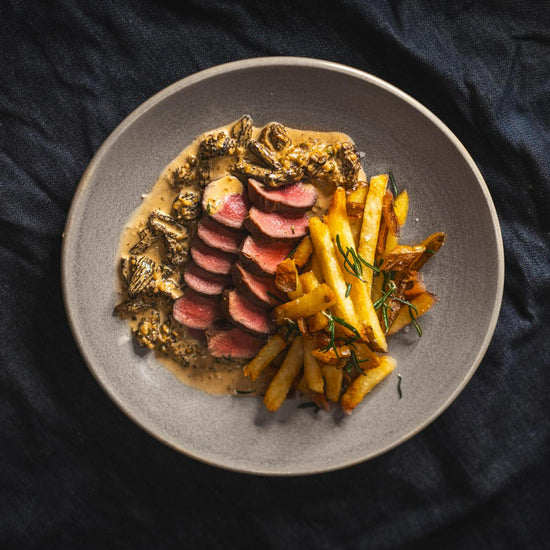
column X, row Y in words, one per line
column 447, row 194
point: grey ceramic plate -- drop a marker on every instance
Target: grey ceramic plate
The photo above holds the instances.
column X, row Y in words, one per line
column 447, row 194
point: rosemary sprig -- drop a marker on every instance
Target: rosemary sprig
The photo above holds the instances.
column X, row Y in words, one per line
column 354, row 363
column 348, row 289
column 309, row 404
column 399, row 386
column 393, row 185
column 243, row 392
column 291, row 326
column 332, row 320
column 353, row 262
column 293, row 251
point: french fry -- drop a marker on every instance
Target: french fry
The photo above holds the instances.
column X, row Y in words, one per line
column 401, row 211
column 286, row 275
column 303, row 252
column 329, row 357
column 316, row 268
column 339, row 227
column 272, row 348
column 312, row 372
column 302, row 386
column 422, row 303
column 431, row 245
column 364, row 383
column 355, row 207
column 293, row 294
column 401, row 207
column 306, row 305
column 333, row 382
column 319, row 321
column 403, row 257
column 282, row 381
column 371, row 222
column 364, row 353
column 389, row 214
column 325, row 251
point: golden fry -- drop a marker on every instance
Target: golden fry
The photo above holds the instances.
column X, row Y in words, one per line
column 364, row 353
column 364, row 383
column 431, row 245
column 329, row 356
column 312, row 372
column 401, row 207
column 338, row 224
column 302, row 254
column 333, row 382
column 316, row 268
column 402, row 257
column 306, row 305
column 272, row 348
column 371, row 222
column 282, row 381
column 317, row 322
column 286, row 276
column 422, row 302
column 327, row 254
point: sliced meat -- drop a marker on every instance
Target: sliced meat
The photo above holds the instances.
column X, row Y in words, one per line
column 233, row 343
column 205, row 282
column 211, row 259
column 195, row 310
column 263, row 257
column 272, row 225
column 225, row 201
column 260, row 290
column 296, row 198
column 246, row 314
column 196, row 334
column 219, row 236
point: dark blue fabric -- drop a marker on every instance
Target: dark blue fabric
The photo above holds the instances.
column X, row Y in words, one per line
column 76, row 473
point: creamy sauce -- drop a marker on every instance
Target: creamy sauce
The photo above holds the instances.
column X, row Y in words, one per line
column 205, row 373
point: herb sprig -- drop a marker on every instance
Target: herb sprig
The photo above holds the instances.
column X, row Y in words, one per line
column 353, row 262
column 354, row 363
column 331, row 328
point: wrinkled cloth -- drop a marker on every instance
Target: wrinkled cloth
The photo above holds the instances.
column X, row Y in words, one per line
column 76, row 473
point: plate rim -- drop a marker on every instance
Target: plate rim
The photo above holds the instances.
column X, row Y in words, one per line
column 277, row 61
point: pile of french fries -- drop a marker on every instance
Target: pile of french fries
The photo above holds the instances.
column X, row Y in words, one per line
column 350, row 284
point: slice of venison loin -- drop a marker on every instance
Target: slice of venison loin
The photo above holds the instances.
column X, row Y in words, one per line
column 261, row 257
column 246, row 314
column 224, row 200
column 273, row 225
column 259, row 289
column 211, row 259
column 205, row 282
column 219, row 236
column 294, row 199
column 195, row 310
column 234, row 343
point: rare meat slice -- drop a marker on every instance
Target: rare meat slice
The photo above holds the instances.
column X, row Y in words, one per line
column 205, row 282
column 219, row 236
column 211, row 259
column 195, row 310
column 233, row 343
column 263, row 257
column 295, row 198
column 225, row 201
column 246, row 314
column 273, row 225
column 260, row 290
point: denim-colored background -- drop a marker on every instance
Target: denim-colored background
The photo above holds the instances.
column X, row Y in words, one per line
column 76, row 473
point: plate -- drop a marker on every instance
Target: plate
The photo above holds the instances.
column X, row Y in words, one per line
column 396, row 133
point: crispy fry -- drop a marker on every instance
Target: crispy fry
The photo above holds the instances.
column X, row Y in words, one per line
column 303, row 252
column 401, row 207
column 293, row 294
column 355, row 207
column 364, row 383
column 383, row 233
column 329, row 357
column 272, row 348
column 309, row 281
column 389, row 215
column 306, row 305
column 363, row 352
column 359, row 195
column 302, row 326
column 325, row 251
column 312, row 372
column 371, row 222
column 316, row 268
column 319, row 321
column 403, row 257
column 286, row 276
column 423, row 302
column 333, row 382
column 280, row 385
column 431, row 245
column 338, row 224
column 302, row 386
column 418, row 286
